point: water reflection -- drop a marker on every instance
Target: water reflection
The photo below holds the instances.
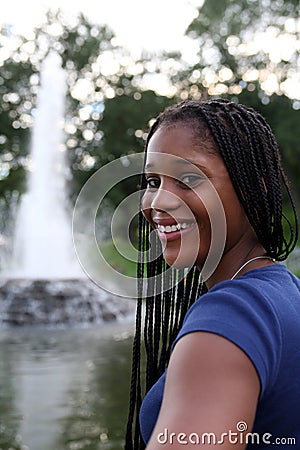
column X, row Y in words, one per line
column 9, row 415
column 64, row 389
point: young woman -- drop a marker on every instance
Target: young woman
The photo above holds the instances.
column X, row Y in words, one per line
column 220, row 315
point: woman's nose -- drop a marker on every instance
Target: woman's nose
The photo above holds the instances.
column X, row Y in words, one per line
column 165, row 200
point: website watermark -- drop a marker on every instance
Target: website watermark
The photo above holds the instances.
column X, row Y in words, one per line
column 238, row 436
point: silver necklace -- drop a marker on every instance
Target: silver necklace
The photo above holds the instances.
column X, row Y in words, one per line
column 250, row 260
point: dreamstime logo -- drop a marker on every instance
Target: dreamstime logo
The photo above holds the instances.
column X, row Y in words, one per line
column 233, row 437
column 91, row 209
column 241, row 426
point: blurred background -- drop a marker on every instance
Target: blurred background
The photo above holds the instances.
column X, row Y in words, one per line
column 65, row 387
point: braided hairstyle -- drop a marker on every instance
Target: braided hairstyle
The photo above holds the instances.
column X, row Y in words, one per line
column 250, row 152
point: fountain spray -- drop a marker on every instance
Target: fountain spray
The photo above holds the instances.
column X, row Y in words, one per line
column 43, row 239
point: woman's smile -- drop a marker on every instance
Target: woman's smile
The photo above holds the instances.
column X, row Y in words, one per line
column 171, row 229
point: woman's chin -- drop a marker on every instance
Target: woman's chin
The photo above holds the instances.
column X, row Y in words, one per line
column 179, row 262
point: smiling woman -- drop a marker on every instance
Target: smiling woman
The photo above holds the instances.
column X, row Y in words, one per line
column 211, row 190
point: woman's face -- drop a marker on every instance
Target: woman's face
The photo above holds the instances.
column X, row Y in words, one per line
column 190, row 200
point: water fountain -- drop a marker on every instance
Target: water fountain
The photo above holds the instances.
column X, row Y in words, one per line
column 43, row 242
column 44, row 283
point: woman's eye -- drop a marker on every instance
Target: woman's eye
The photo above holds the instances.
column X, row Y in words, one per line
column 190, row 180
column 153, row 183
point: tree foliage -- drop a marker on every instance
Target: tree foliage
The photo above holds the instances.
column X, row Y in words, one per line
column 244, row 44
column 101, row 76
column 109, row 105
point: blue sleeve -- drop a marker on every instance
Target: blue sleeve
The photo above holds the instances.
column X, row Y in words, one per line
column 242, row 314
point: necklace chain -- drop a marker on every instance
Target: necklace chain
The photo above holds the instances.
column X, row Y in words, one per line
column 249, row 261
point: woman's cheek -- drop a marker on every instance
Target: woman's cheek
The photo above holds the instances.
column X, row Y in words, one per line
column 146, row 206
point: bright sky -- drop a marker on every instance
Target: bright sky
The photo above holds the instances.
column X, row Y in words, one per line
column 157, row 25
column 149, row 24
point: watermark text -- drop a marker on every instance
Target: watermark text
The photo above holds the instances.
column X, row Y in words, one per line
column 238, row 436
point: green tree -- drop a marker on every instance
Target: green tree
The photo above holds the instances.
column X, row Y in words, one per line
column 243, row 44
column 98, row 71
column 124, row 125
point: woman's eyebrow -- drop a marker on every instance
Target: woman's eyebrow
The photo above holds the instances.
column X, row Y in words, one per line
column 148, row 166
column 178, row 162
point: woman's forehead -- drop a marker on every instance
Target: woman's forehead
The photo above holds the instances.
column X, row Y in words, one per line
column 178, row 148
column 181, row 139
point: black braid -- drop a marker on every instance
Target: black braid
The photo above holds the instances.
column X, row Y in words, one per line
column 250, row 152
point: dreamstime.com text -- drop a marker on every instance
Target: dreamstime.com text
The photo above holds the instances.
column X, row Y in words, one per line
column 239, row 436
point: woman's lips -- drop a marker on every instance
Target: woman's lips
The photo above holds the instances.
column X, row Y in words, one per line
column 172, row 231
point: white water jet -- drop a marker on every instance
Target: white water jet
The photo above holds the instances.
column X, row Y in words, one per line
column 43, row 245
column 45, row 284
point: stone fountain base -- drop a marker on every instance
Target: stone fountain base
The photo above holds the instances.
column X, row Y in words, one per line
column 59, row 302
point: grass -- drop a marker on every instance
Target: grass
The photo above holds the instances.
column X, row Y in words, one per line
column 113, row 253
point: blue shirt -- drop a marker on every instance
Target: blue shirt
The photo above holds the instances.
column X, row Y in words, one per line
column 260, row 313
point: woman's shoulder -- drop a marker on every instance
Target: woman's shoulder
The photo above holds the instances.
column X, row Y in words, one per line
column 253, row 311
column 273, row 276
column 264, row 297
column 268, row 287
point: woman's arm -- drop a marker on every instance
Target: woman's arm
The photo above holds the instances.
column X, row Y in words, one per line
column 211, row 386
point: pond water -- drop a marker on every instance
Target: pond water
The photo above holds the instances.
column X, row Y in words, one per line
column 64, row 389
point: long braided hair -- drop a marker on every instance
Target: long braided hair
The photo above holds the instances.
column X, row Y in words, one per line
column 250, row 152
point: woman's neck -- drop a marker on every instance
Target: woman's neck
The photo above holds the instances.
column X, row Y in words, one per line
column 232, row 262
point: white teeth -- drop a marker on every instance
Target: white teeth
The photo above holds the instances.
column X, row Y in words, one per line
column 172, row 228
